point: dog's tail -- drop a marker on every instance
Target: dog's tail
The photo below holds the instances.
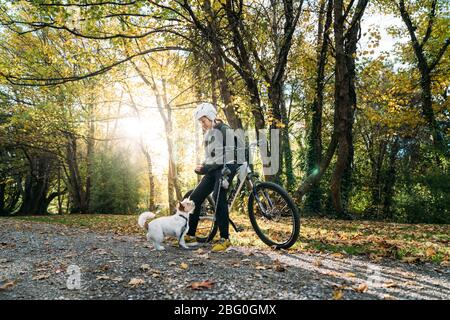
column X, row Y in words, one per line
column 144, row 217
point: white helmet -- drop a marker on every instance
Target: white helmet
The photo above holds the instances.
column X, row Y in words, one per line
column 205, row 110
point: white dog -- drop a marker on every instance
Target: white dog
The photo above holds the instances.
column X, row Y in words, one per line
column 176, row 225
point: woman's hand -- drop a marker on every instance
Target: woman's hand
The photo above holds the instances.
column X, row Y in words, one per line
column 198, row 169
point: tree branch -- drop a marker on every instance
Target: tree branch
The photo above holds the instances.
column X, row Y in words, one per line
column 25, row 81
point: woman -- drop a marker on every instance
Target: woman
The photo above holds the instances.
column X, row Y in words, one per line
column 216, row 152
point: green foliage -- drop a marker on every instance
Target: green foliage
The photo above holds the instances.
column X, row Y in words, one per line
column 424, row 199
column 115, row 184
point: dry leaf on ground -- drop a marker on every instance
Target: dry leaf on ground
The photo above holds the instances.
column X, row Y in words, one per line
column 41, row 277
column 389, row 284
column 145, row 267
column 184, row 266
column 338, row 294
column 363, row 287
column 208, row 284
column 7, row 285
column 136, row 282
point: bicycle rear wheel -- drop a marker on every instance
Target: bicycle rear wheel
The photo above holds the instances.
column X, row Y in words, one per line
column 274, row 215
column 207, row 226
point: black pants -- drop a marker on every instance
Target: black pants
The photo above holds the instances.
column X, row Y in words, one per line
column 209, row 183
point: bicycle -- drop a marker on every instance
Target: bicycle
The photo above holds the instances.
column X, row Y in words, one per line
column 272, row 212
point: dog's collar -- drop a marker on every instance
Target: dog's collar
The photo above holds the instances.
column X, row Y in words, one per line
column 180, row 215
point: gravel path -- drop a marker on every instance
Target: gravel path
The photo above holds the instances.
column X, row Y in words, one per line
column 36, row 260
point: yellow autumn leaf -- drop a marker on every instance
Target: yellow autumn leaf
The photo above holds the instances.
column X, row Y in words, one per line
column 430, row 252
column 136, row 282
column 363, row 287
column 350, row 274
column 184, row 266
column 338, row 294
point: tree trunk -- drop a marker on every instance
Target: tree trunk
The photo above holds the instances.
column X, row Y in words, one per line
column 225, row 93
column 173, row 172
column 3, row 211
column 147, row 155
column 37, row 184
column 151, row 180
column 426, row 66
column 286, row 150
column 313, row 201
column 89, row 154
column 389, row 182
column 76, row 189
column 345, row 101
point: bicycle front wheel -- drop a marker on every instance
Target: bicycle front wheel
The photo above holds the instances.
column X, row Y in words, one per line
column 274, row 215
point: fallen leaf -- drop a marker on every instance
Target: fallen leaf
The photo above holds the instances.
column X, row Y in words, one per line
column 172, row 263
column 41, row 277
column 389, row 284
column 318, row 262
column 199, row 251
column 145, row 267
column 338, row 294
column 184, row 266
column 104, row 268
column 103, row 277
column 349, row 274
column 101, row 252
column 208, row 284
column 445, row 263
column 388, row 297
column 136, row 282
column 7, row 245
column 375, row 257
column 278, row 266
column 430, row 252
column 7, row 285
column 363, row 287
column 117, row 279
column 337, row 255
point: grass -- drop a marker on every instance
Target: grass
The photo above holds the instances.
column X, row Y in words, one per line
column 406, row 242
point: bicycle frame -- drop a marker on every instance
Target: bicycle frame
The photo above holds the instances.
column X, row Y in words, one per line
column 243, row 173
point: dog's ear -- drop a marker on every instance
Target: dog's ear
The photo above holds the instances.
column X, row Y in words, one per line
column 180, row 207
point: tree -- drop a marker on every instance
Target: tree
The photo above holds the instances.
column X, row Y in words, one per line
column 314, row 156
column 345, row 41
column 428, row 55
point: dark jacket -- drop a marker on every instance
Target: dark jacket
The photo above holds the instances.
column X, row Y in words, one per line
column 218, row 152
